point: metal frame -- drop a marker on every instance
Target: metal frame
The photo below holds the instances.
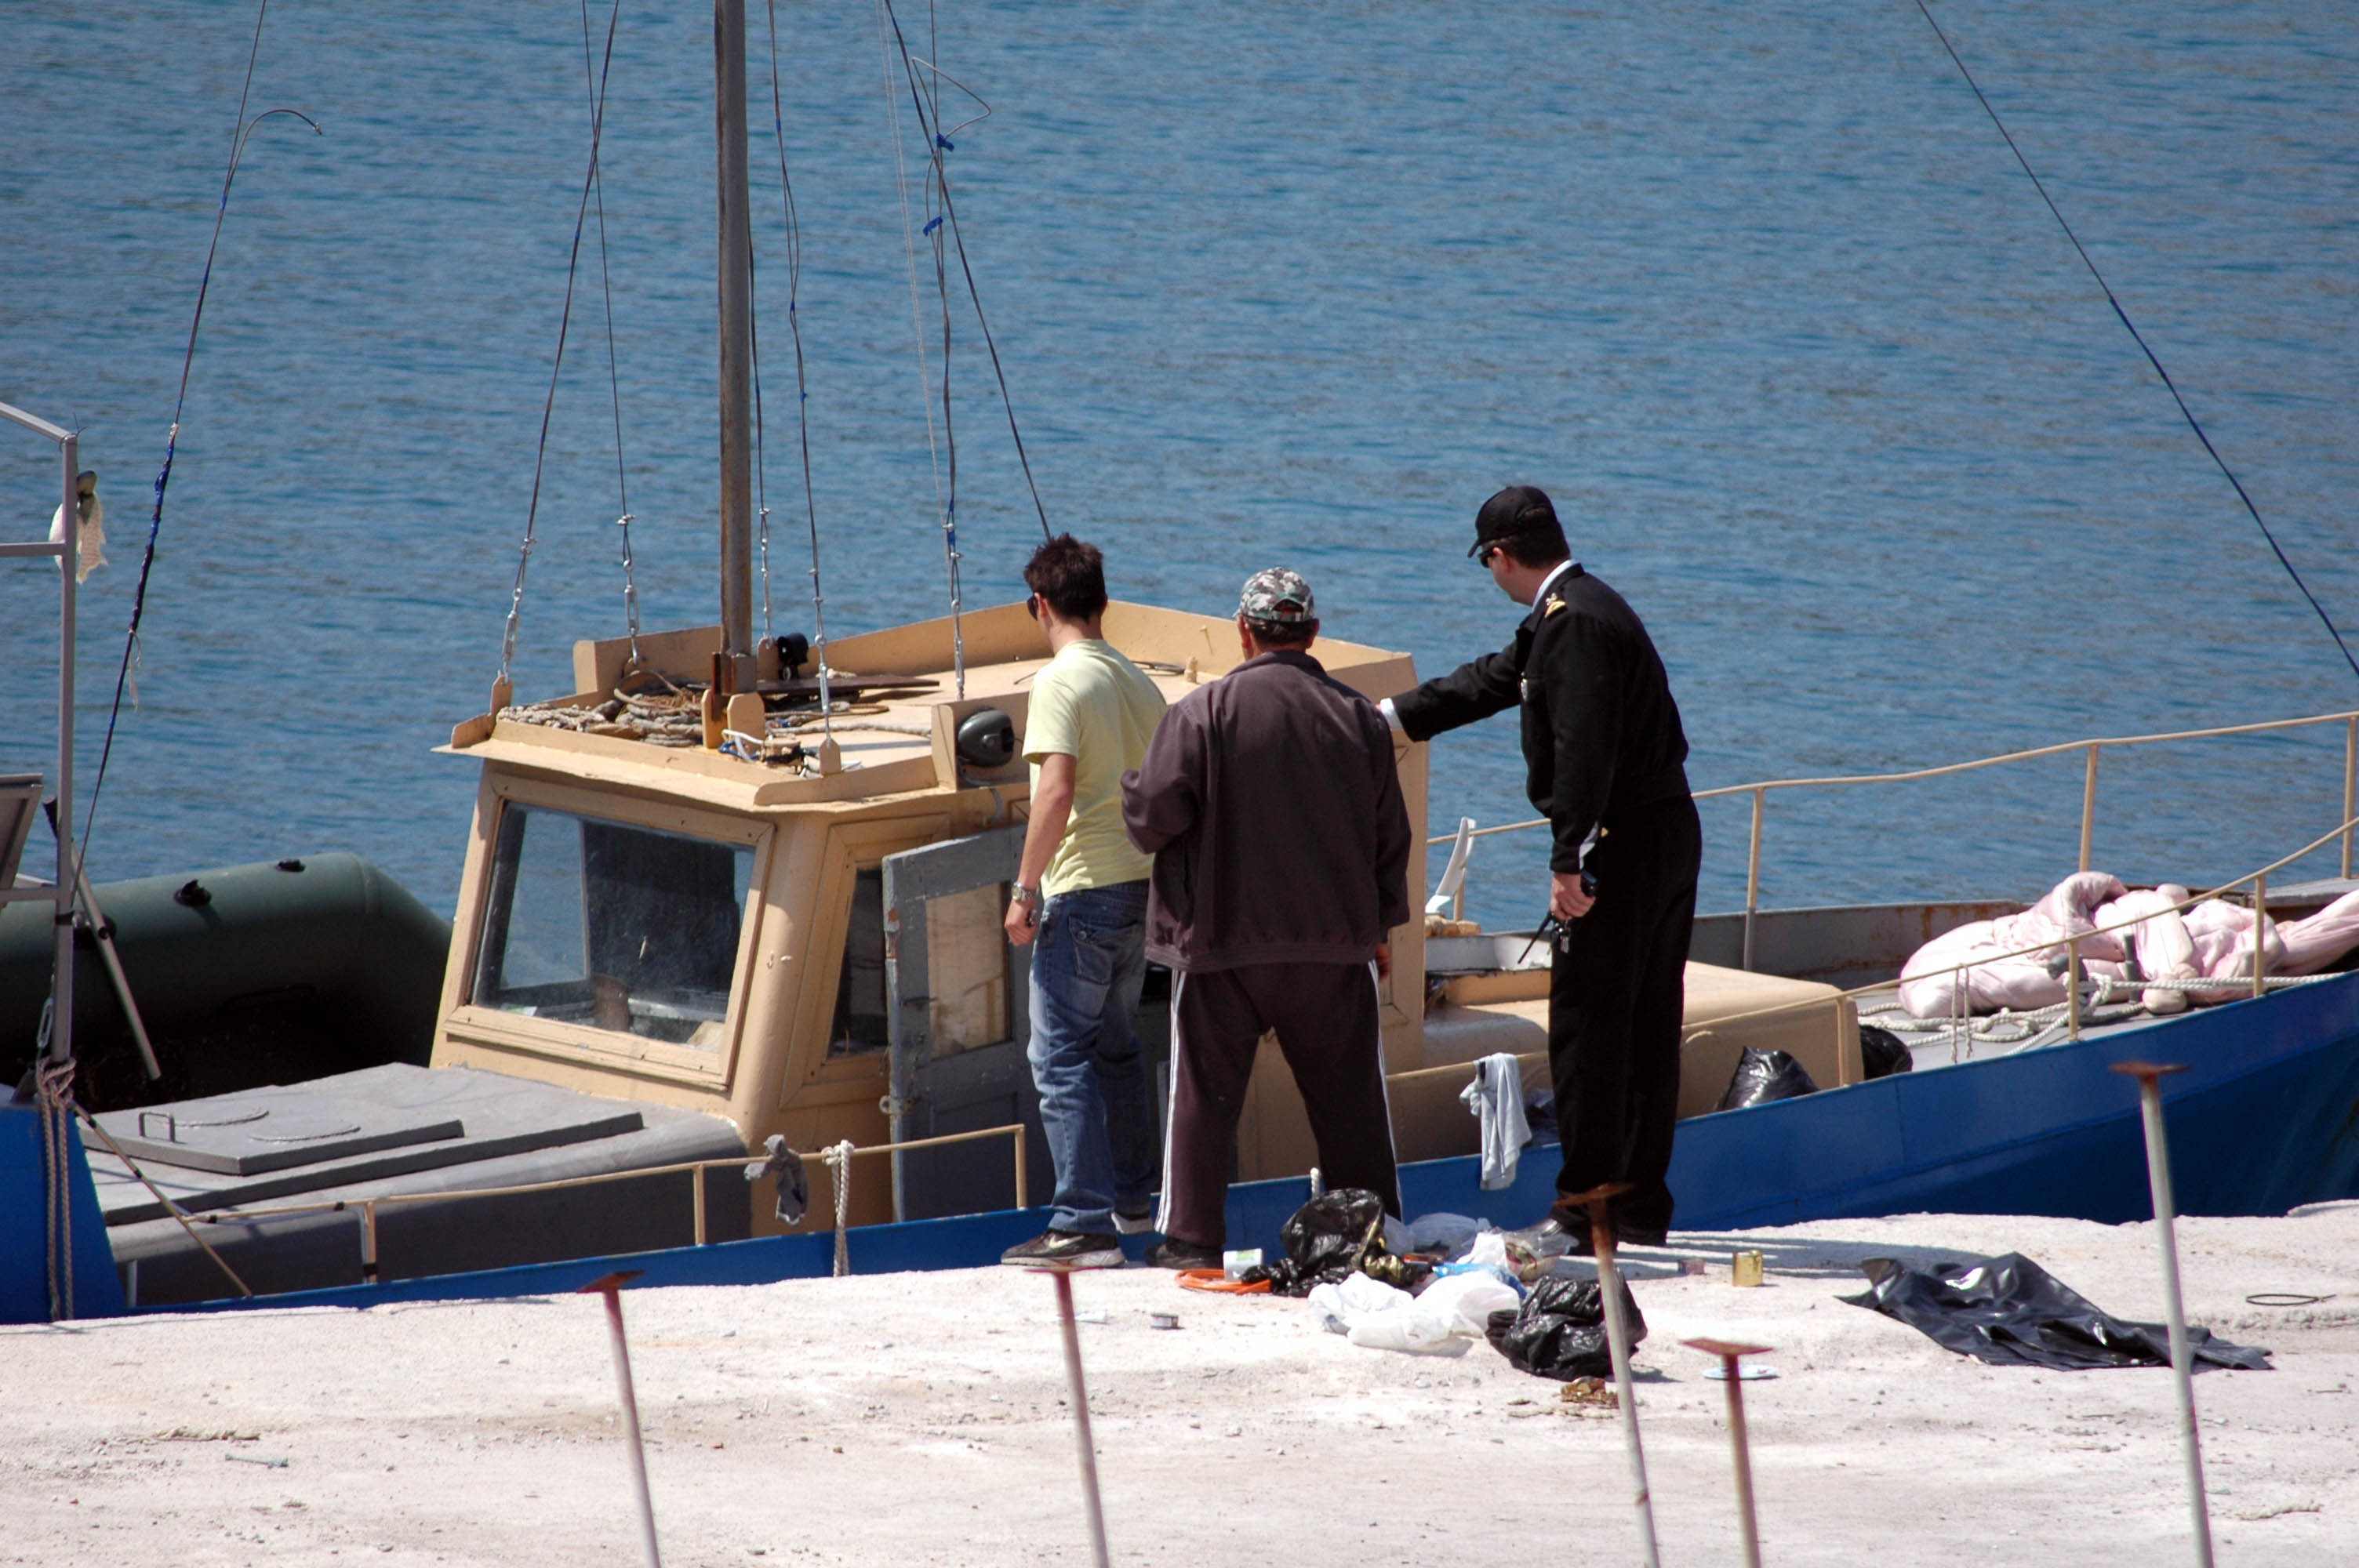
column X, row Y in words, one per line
column 67, row 553
column 1760, row 792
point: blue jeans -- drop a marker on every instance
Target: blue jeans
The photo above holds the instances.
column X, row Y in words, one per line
column 1088, row 960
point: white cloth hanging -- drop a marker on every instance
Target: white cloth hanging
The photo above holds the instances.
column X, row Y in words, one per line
column 1496, row 1096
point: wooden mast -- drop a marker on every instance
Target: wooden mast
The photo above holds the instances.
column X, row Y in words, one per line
column 737, row 267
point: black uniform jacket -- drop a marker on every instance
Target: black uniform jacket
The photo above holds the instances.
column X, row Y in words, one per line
column 1601, row 735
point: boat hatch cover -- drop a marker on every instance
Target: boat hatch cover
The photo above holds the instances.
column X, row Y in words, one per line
column 244, row 1137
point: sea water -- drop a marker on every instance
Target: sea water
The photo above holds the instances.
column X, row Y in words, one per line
column 1759, row 295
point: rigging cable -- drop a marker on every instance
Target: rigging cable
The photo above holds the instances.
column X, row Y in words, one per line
column 241, row 131
column 564, row 321
column 2140, row 339
column 938, row 143
column 917, row 327
column 614, row 376
column 951, row 557
column 802, row 388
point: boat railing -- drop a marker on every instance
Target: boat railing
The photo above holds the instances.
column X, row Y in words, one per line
column 2091, row 749
column 836, row 1158
column 2259, row 981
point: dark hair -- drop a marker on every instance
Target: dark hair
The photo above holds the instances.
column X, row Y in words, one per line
column 1071, row 576
column 1282, row 633
column 1535, row 545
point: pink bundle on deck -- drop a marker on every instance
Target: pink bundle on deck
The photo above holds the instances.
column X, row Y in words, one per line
column 2212, row 940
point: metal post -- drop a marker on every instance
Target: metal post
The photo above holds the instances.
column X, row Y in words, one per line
column 1064, row 1277
column 1751, row 880
column 370, row 1273
column 2088, row 808
column 69, row 567
column 2260, row 918
column 1023, row 1182
column 1617, row 1345
column 1729, row 1355
column 2149, row 1075
column 736, row 261
column 2350, row 790
column 697, row 1177
column 105, row 940
column 611, row 1287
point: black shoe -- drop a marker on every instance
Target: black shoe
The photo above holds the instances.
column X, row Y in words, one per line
column 1553, row 1237
column 1066, row 1249
column 1178, row 1252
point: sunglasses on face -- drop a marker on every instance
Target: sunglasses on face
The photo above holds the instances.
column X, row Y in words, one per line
column 1483, row 557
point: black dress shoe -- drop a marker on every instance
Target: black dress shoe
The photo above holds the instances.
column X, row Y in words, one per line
column 1553, row 1237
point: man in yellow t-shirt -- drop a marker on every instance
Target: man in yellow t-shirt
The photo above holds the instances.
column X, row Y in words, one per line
column 1081, row 898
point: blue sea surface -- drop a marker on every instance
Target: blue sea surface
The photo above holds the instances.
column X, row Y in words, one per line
column 1759, row 295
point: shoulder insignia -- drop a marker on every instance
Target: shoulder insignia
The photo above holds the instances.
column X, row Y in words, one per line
column 1555, row 603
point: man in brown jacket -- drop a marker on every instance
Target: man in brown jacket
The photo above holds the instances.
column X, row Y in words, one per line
column 1271, row 803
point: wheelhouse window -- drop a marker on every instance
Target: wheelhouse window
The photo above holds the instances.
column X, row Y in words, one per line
column 626, row 929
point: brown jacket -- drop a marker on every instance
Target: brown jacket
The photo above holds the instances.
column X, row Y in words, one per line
column 1271, row 804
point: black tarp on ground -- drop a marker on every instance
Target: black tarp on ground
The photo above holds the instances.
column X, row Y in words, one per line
column 2010, row 1312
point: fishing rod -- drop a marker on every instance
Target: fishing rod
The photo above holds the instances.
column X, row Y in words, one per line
column 2139, row 337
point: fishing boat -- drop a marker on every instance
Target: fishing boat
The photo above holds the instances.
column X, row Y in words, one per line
column 732, row 905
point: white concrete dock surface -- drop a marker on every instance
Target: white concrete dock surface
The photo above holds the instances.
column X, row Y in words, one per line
column 917, row 1418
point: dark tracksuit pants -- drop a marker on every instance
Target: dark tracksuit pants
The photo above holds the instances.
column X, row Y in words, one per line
column 1616, row 993
column 1327, row 1023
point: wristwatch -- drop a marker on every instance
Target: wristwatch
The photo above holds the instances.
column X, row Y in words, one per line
column 1028, row 897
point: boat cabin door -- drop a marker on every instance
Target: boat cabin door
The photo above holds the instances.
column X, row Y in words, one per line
column 958, row 1021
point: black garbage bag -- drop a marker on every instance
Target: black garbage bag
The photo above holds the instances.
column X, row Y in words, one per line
column 1559, row 1331
column 1763, row 1076
column 1332, row 1238
column 1882, row 1052
column 2010, row 1312
column 1540, row 1114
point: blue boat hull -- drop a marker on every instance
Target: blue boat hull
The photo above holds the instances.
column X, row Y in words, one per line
column 2264, row 1119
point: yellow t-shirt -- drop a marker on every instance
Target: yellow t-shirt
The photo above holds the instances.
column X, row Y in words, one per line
column 1096, row 707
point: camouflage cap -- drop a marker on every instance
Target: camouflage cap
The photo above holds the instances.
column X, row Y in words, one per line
column 1278, row 597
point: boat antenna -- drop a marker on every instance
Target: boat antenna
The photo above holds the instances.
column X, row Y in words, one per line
column 2140, row 339
column 614, row 377
column 942, row 504
column 504, row 687
column 938, row 142
column 803, row 396
column 241, row 131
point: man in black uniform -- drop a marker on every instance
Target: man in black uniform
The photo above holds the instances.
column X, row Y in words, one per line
column 1604, row 755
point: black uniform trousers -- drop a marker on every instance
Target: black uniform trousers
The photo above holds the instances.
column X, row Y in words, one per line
column 1328, row 1024
column 1617, row 993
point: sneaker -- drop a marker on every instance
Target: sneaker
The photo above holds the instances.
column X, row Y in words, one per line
column 1065, row 1250
column 1178, row 1252
column 1140, row 1223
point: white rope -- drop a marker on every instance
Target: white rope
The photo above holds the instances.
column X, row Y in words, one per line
column 839, row 1164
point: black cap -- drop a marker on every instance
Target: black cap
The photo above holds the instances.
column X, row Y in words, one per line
column 1515, row 512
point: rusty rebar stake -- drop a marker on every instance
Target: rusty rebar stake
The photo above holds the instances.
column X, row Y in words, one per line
column 1617, row 1344
column 611, row 1286
column 1729, row 1355
column 2149, row 1077
column 1064, row 1279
